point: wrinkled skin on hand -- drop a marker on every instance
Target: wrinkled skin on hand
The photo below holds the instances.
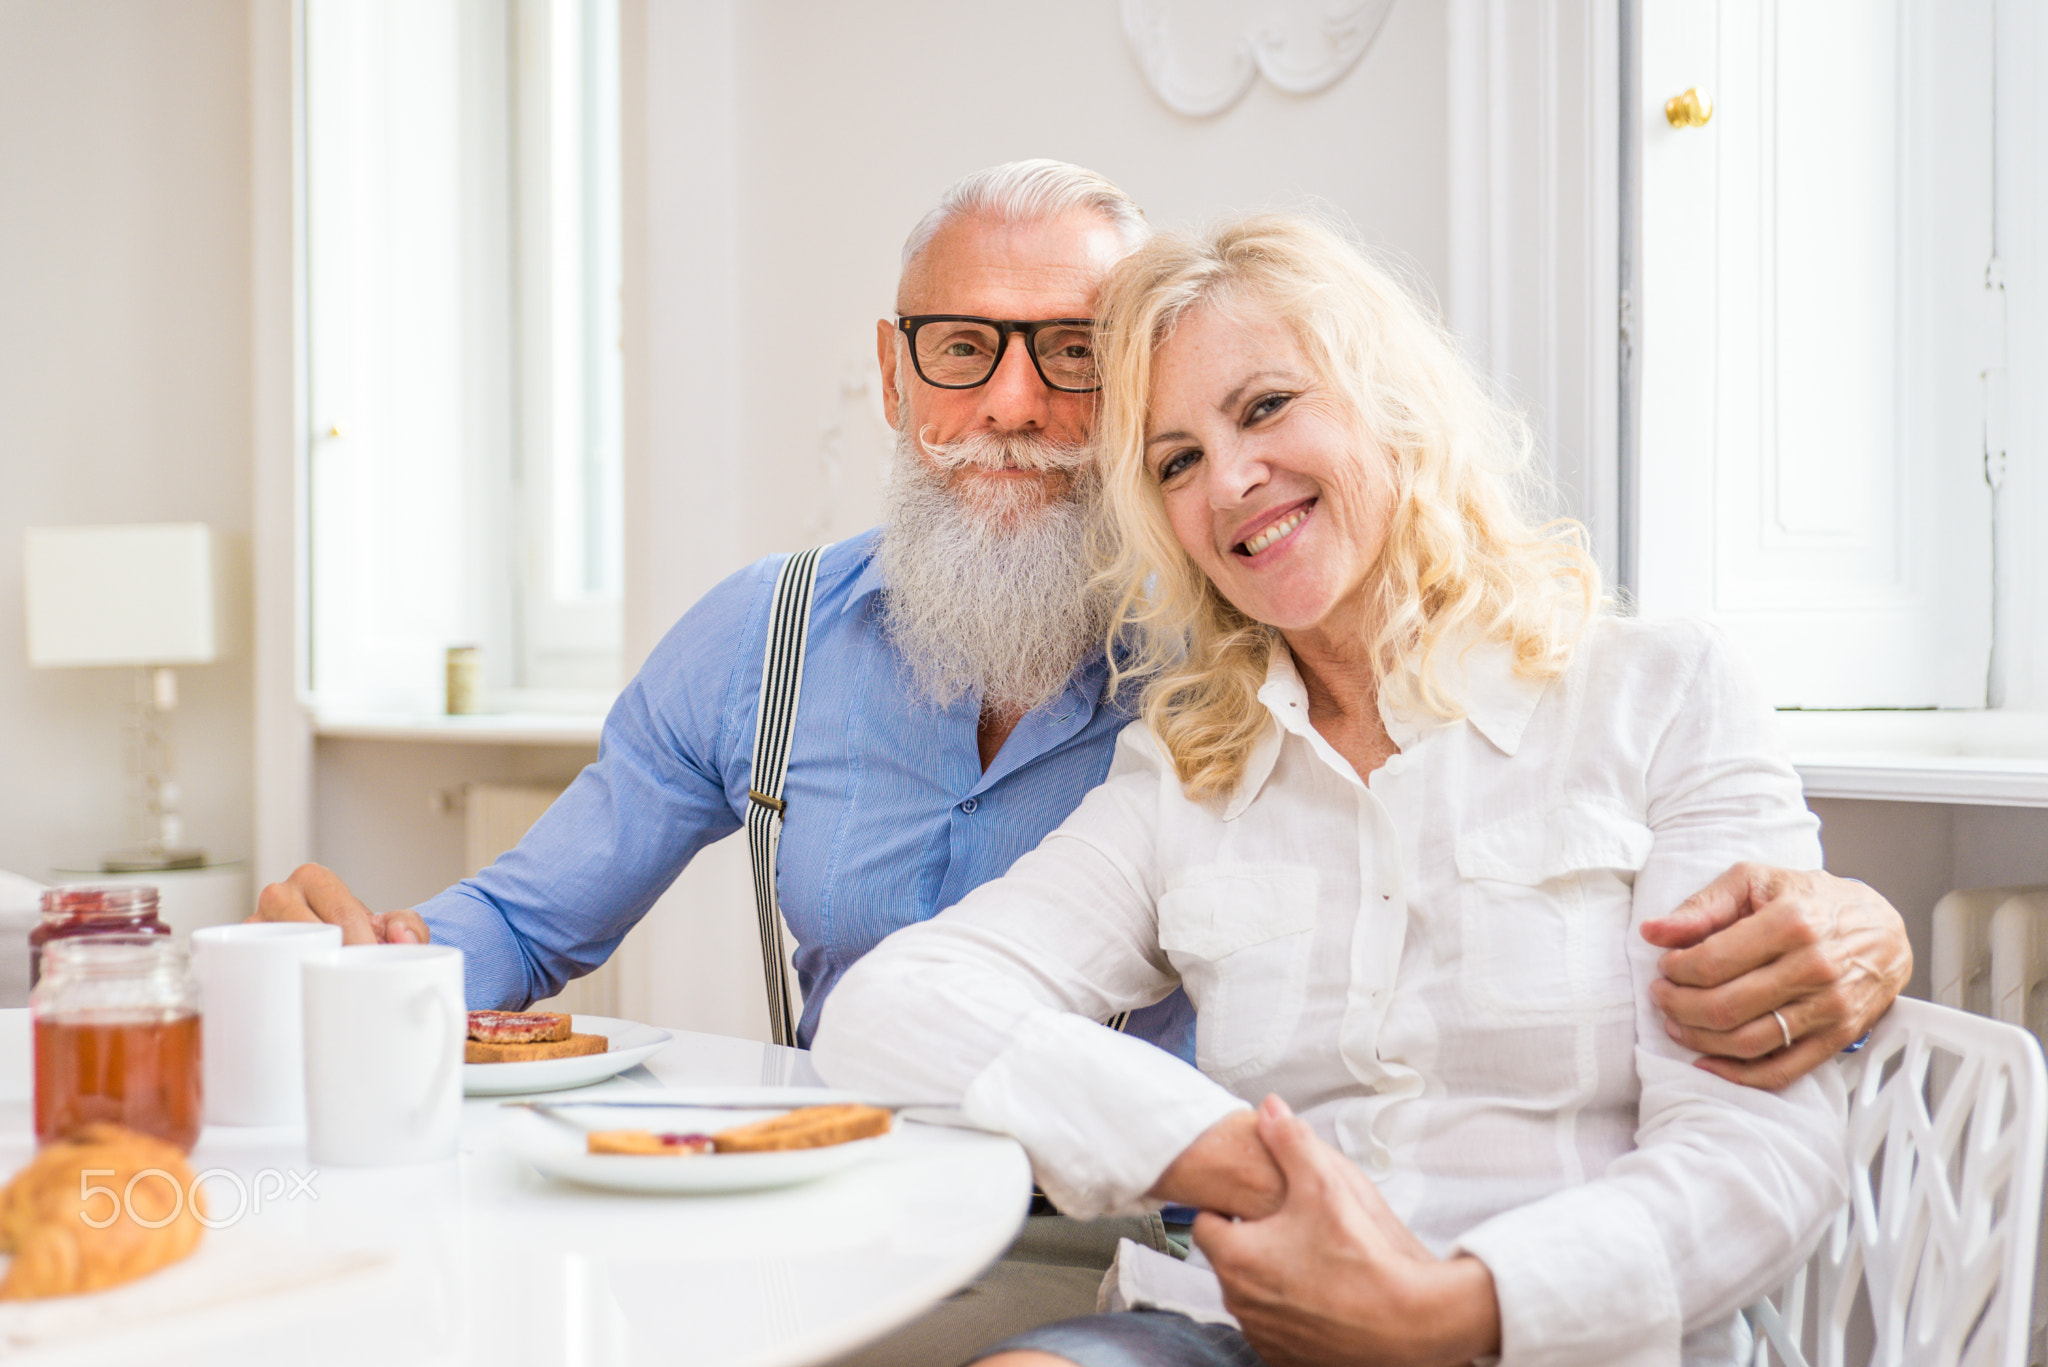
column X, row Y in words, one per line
column 1334, row 1277
column 1827, row 953
column 1227, row 1169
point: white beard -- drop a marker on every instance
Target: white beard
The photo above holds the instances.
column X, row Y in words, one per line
column 989, row 584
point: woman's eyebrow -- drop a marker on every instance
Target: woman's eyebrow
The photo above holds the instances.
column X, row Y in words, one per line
column 1229, row 400
column 1151, row 442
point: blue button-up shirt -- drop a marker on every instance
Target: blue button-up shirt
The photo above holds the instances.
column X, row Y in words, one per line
column 890, row 816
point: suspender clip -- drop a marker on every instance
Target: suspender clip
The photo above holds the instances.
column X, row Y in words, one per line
column 773, row 804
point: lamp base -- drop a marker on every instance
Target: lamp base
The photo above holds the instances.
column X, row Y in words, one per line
column 150, row 861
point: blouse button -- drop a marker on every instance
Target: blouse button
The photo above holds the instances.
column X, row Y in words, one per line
column 968, row 806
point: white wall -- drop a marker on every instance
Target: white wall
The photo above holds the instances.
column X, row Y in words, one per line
column 125, row 390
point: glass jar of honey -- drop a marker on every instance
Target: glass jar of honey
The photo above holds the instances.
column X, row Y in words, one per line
column 92, row 909
column 116, row 1021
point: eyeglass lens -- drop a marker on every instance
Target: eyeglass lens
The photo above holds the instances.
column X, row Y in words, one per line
column 963, row 354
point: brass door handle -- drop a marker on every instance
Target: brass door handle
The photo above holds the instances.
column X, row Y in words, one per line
column 1690, row 110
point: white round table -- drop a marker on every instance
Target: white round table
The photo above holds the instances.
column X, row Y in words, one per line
column 481, row 1260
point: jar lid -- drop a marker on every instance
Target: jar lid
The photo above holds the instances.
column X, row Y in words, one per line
column 99, row 899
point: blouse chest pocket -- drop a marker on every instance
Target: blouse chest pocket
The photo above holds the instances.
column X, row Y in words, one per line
column 1240, row 937
column 1545, row 901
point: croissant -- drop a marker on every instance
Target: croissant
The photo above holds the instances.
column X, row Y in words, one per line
column 49, row 1213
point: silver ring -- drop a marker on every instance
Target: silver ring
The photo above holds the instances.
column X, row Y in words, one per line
column 1783, row 1028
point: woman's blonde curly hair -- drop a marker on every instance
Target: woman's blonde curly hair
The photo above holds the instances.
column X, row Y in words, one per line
column 1464, row 561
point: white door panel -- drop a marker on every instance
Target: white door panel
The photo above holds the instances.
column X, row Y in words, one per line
column 1812, row 277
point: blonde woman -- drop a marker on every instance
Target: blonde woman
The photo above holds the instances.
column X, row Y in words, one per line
column 1403, row 797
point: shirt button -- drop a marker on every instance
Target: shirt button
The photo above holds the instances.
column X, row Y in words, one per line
column 968, row 806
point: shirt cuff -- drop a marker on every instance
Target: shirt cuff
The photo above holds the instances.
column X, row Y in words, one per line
column 1580, row 1276
column 1100, row 1113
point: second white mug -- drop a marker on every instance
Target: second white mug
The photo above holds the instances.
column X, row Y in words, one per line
column 252, row 1044
column 384, row 1032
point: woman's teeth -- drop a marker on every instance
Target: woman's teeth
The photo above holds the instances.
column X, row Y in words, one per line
column 1275, row 532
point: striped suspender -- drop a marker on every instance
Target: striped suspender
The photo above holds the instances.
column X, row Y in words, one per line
column 782, row 677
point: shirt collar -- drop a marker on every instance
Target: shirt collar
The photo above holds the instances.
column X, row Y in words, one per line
column 869, row 581
column 1498, row 704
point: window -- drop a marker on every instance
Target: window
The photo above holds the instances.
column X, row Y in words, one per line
column 462, row 183
column 1823, row 331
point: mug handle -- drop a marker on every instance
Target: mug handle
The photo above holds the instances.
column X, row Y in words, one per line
column 432, row 996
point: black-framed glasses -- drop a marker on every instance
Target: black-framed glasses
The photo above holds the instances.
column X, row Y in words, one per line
column 959, row 351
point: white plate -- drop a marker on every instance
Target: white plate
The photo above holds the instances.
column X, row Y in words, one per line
column 630, row 1043
column 560, row 1151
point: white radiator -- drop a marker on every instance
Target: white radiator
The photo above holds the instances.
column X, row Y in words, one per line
column 1991, row 957
column 499, row 816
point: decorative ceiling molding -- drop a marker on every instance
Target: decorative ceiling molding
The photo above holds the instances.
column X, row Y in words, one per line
column 1201, row 56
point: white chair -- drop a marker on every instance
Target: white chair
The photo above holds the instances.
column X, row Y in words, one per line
column 1931, row 1263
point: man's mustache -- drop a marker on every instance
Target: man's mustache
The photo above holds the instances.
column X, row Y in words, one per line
column 1006, row 451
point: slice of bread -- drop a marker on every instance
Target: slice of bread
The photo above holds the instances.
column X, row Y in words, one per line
column 645, row 1143
column 518, row 1027
column 812, row 1127
column 476, row 1051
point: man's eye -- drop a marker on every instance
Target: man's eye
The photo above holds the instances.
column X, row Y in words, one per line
column 961, row 347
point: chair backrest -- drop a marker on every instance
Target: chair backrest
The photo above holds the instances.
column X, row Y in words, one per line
column 1931, row 1263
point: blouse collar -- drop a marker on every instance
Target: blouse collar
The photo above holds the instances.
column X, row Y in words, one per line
column 1498, row 704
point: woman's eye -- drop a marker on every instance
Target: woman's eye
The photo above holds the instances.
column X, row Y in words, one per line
column 1175, row 465
column 1266, row 406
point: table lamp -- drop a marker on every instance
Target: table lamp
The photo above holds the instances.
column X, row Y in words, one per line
column 142, row 597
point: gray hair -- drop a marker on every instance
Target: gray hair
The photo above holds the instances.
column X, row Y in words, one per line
column 1028, row 191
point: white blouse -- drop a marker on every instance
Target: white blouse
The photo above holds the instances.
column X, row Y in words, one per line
column 1438, row 968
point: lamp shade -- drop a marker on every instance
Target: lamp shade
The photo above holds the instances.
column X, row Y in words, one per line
column 124, row 595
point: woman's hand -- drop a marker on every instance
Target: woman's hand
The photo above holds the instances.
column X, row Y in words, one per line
column 1827, row 954
column 1227, row 1170
column 1335, row 1277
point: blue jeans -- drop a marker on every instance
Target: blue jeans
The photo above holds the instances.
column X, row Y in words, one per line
column 1137, row 1338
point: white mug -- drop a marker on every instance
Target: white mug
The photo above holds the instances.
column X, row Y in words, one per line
column 384, row 1032
column 252, row 1044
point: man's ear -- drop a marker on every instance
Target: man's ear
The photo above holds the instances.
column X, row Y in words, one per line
column 885, row 356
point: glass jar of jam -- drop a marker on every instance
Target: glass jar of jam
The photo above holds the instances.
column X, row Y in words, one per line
column 116, row 1020
column 92, row 909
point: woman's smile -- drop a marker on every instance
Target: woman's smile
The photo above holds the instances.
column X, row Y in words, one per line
column 1274, row 531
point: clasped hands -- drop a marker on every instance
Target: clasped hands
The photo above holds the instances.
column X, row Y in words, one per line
column 1313, row 1264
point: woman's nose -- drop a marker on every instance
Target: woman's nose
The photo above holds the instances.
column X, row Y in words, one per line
column 1234, row 474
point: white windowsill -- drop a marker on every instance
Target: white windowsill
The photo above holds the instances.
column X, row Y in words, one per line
column 548, row 720
column 1995, row 759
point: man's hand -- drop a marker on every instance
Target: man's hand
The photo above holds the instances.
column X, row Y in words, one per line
column 1226, row 1169
column 1335, row 1277
column 1826, row 953
column 313, row 893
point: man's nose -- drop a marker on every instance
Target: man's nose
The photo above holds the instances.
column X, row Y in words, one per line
column 1015, row 399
